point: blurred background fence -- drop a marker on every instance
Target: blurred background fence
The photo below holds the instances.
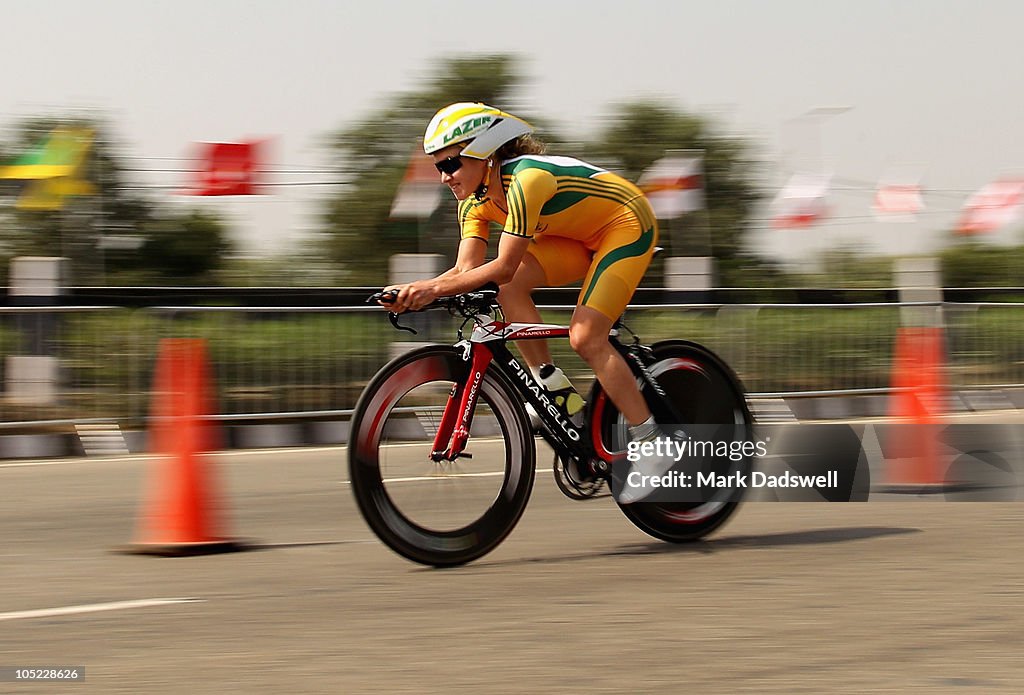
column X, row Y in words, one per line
column 281, row 362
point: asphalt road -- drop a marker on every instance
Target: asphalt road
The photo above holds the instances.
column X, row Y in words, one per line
column 894, row 596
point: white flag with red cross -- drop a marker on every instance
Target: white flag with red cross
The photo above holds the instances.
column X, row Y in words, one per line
column 802, row 202
column 993, row 207
column 674, row 185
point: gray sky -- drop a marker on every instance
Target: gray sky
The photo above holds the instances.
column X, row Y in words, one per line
column 933, row 84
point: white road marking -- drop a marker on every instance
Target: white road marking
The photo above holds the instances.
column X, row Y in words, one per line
column 540, row 470
column 443, row 476
column 58, row 462
column 135, row 458
column 94, row 608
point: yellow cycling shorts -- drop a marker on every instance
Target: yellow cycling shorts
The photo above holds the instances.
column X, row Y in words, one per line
column 611, row 265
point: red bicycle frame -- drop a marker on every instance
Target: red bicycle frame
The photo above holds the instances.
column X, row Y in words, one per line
column 486, row 349
column 486, row 340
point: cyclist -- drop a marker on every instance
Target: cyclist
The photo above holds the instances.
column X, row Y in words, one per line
column 562, row 221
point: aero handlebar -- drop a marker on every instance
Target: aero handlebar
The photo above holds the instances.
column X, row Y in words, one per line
column 468, row 304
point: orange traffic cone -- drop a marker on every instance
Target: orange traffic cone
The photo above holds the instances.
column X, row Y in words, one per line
column 182, row 514
column 917, row 404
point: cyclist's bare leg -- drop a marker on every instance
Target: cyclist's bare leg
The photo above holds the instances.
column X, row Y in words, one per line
column 588, row 335
column 517, row 303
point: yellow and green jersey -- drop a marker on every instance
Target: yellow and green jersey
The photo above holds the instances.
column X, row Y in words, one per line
column 556, row 196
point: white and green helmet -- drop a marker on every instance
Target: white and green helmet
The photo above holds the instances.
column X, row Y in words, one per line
column 484, row 129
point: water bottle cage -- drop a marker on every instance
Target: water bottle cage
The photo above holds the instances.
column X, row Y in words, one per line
column 560, row 397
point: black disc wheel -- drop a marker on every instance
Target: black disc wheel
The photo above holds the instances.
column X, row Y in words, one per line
column 710, row 403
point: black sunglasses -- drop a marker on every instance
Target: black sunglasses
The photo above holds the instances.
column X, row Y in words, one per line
column 449, row 165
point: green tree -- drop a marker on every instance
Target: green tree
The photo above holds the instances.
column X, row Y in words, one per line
column 183, row 249
column 975, row 264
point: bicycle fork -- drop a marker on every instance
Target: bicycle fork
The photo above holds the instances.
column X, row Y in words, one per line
column 453, row 431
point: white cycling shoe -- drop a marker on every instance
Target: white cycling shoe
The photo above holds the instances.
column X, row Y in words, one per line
column 637, row 483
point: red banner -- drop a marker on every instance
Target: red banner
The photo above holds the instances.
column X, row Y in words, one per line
column 229, row 168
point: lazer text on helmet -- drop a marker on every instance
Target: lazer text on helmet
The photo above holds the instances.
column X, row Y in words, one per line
column 467, row 127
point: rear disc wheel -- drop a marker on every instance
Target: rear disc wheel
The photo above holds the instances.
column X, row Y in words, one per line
column 709, row 399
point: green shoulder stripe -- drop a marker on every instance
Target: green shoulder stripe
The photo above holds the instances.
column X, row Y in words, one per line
column 516, row 210
column 466, row 206
column 557, row 166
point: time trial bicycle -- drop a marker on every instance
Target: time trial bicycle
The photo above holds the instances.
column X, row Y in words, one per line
column 442, row 454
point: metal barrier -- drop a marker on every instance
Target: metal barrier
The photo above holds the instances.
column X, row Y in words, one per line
column 103, row 357
column 312, row 362
column 277, row 362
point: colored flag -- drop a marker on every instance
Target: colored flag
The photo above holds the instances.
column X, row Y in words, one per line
column 801, row 202
column 49, row 194
column 994, row 206
column 419, row 193
column 674, row 185
column 898, row 202
column 229, row 168
column 52, row 169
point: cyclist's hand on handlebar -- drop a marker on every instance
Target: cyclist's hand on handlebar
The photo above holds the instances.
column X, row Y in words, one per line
column 384, row 298
column 410, row 297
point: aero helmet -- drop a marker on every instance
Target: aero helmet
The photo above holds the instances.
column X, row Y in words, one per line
column 484, row 129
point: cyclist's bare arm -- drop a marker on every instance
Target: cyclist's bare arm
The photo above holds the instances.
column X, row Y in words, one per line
column 416, row 295
column 472, row 254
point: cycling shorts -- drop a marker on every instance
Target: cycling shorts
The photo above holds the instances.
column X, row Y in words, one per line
column 610, row 266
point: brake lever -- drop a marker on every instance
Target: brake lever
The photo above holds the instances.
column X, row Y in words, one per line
column 393, row 318
column 388, row 298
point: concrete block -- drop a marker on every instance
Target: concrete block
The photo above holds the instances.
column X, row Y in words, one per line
column 19, row 446
column 690, row 273
column 918, row 279
column 31, row 379
column 37, row 276
column 329, row 432
column 409, row 267
column 136, row 441
column 268, row 436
